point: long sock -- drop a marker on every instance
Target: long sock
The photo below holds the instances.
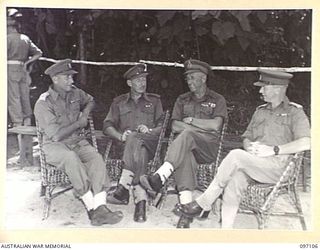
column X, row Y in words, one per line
column 139, row 194
column 185, row 196
column 126, row 178
column 88, row 201
column 165, row 171
column 99, row 199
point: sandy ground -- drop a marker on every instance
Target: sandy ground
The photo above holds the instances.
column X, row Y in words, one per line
column 24, row 206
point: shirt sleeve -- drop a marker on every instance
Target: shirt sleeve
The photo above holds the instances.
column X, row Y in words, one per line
column 221, row 108
column 112, row 118
column 85, row 98
column 159, row 115
column 46, row 118
column 300, row 124
column 177, row 113
column 249, row 131
column 33, row 49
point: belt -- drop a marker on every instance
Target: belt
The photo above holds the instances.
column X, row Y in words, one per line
column 16, row 62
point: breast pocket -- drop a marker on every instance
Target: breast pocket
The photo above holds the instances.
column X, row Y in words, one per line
column 282, row 126
column 148, row 116
column 188, row 110
column 75, row 105
column 125, row 116
column 258, row 129
column 206, row 112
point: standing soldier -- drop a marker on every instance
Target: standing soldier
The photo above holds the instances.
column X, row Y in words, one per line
column 197, row 116
column 21, row 52
column 134, row 119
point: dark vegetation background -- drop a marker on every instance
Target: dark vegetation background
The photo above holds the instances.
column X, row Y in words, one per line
column 278, row 38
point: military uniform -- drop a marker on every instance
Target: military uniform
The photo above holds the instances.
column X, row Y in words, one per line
column 270, row 126
column 191, row 146
column 74, row 155
column 125, row 114
column 20, row 47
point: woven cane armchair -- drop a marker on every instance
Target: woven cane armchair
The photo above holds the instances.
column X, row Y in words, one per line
column 260, row 198
column 205, row 172
column 115, row 166
column 51, row 177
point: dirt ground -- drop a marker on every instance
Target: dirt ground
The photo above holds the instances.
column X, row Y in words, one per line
column 24, row 206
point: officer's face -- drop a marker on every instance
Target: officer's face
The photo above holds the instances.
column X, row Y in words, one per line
column 63, row 82
column 138, row 85
column 270, row 93
column 196, row 81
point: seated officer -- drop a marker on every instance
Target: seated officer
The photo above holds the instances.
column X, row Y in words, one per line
column 277, row 129
column 197, row 116
column 61, row 113
column 134, row 119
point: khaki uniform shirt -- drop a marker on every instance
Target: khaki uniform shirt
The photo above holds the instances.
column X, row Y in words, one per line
column 53, row 112
column 211, row 105
column 278, row 126
column 125, row 114
column 20, row 47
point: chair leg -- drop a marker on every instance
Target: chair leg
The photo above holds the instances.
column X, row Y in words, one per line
column 261, row 218
column 47, row 202
column 42, row 190
column 299, row 209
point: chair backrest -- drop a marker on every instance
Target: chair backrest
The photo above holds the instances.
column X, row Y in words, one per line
column 288, row 178
column 156, row 158
column 220, row 147
column 84, row 132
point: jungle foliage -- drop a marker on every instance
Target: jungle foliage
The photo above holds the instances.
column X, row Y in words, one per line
column 279, row 38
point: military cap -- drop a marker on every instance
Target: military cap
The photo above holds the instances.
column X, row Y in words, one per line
column 136, row 71
column 272, row 77
column 62, row 67
column 193, row 65
column 12, row 14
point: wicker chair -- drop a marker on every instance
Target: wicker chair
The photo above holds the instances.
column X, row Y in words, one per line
column 51, row 177
column 260, row 198
column 205, row 172
column 115, row 166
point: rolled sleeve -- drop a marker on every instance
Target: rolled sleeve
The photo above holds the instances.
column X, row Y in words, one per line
column 177, row 113
column 158, row 116
column 221, row 109
column 300, row 124
column 112, row 118
column 46, row 119
column 249, row 132
column 33, row 49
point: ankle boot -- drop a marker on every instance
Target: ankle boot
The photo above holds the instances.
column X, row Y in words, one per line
column 120, row 196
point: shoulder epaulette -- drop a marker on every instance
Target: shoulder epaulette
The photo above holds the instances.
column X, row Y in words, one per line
column 44, row 96
column 120, row 98
column 153, row 95
column 262, row 106
column 185, row 95
column 295, row 105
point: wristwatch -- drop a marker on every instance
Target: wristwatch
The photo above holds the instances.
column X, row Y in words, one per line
column 276, row 150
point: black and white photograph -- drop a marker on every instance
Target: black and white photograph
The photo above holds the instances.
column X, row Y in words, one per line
column 157, row 118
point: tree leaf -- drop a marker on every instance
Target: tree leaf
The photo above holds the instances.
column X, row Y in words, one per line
column 200, row 31
column 242, row 16
column 244, row 42
column 215, row 13
column 198, row 13
column 228, row 30
column 165, row 16
column 216, row 28
column 262, row 15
